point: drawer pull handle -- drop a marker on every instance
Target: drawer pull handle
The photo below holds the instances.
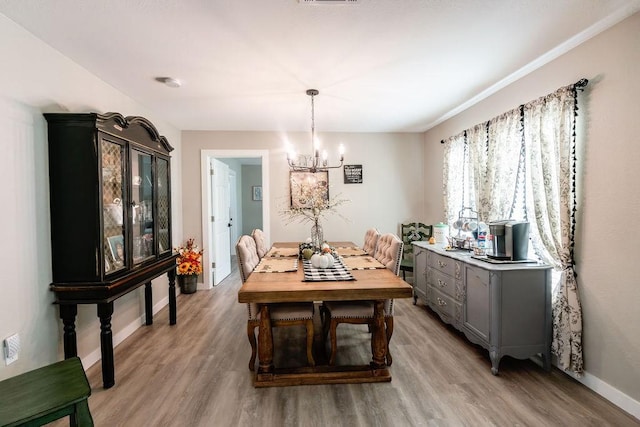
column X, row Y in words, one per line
column 442, row 264
column 441, row 302
column 441, row 283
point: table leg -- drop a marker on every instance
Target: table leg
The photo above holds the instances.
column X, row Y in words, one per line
column 265, row 342
column 105, row 311
column 378, row 337
column 68, row 314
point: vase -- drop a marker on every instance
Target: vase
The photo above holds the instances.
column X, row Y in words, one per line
column 188, row 283
column 317, row 237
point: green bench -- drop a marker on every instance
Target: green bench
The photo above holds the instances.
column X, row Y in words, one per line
column 43, row 395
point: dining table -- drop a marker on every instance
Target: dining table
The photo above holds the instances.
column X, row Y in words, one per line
column 366, row 284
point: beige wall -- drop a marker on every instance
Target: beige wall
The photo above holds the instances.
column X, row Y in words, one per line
column 392, row 191
column 38, row 79
column 609, row 157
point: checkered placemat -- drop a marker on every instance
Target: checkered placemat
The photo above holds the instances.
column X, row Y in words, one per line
column 338, row 272
column 346, row 251
column 276, row 265
column 282, row 252
column 362, row 263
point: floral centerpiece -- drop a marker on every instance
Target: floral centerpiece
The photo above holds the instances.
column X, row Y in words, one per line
column 316, row 205
column 189, row 263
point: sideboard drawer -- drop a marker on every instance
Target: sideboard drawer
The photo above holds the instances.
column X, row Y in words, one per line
column 449, row 310
column 443, row 264
column 445, row 284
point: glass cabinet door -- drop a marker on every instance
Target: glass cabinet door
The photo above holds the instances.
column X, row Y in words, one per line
column 162, row 217
column 115, row 256
column 142, row 208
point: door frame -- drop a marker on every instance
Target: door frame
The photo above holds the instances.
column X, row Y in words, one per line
column 205, row 184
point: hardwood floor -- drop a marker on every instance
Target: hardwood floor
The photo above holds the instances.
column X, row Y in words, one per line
column 195, row 374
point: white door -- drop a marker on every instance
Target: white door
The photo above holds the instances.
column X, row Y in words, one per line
column 233, row 212
column 220, row 224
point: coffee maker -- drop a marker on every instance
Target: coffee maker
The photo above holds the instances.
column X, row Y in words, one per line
column 510, row 240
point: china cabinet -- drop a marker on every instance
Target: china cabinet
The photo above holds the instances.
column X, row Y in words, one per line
column 110, row 203
column 505, row 308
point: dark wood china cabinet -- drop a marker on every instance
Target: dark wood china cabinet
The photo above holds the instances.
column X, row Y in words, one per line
column 110, row 201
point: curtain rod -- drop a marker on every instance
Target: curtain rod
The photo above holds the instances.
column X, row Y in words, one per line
column 580, row 84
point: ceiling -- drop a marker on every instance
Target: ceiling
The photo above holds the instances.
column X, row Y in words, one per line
column 380, row 65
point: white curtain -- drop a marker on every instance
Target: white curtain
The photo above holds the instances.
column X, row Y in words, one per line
column 549, row 126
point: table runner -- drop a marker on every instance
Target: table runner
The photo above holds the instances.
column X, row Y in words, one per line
column 276, row 265
column 362, row 263
column 282, row 252
column 348, row 251
column 338, row 272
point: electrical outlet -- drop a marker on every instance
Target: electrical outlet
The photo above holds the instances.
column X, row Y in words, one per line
column 11, row 347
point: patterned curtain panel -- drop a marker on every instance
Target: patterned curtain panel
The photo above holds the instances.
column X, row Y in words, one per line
column 549, row 129
column 494, row 149
column 454, row 179
column 521, row 165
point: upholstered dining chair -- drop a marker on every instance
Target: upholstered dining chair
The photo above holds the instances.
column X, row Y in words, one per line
column 282, row 314
column 389, row 253
column 261, row 245
column 370, row 240
column 412, row 232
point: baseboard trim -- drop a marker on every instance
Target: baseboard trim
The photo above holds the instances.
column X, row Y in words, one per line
column 95, row 356
column 612, row 394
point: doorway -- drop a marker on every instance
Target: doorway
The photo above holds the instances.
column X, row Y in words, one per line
column 218, row 253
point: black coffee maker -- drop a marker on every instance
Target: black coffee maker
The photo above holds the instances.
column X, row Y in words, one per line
column 510, row 240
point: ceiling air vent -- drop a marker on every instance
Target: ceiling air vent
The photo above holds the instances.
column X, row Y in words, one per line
column 328, row 1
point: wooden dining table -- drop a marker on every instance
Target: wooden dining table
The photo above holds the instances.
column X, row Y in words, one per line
column 374, row 285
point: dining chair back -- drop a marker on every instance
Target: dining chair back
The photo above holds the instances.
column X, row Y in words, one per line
column 247, row 256
column 261, row 245
column 412, row 232
column 389, row 252
column 371, row 240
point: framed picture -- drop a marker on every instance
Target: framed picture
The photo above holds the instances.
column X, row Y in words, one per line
column 116, row 244
column 308, row 188
column 256, row 192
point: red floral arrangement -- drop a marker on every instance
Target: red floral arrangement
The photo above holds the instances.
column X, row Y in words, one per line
column 190, row 258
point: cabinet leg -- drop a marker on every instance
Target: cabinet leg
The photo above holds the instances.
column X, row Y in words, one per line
column 495, row 357
column 148, row 303
column 68, row 314
column 105, row 311
column 172, row 297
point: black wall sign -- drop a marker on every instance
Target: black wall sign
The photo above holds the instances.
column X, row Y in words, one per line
column 353, row 174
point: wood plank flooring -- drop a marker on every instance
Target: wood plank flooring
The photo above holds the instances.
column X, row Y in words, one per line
column 195, row 374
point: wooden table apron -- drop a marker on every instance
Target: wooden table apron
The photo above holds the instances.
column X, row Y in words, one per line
column 375, row 285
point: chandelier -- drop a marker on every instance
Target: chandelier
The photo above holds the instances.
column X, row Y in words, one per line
column 312, row 162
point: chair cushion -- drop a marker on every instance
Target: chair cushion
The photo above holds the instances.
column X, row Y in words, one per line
column 284, row 311
column 358, row 309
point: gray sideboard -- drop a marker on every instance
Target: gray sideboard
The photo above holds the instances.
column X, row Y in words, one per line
column 505, row 308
